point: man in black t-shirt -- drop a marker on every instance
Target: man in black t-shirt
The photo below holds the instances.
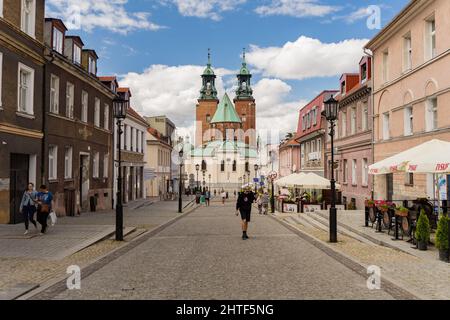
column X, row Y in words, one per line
column 244, row 206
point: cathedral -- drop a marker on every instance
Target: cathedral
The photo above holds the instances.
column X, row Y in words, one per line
column 225, row 152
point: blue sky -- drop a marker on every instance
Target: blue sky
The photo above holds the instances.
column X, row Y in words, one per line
column 133, row 36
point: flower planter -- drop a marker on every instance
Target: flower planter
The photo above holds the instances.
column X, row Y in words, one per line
column 401, row 213
column 422, row 245
column 444, row 255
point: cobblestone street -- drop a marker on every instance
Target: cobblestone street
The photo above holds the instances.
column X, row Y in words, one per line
column 202, row 256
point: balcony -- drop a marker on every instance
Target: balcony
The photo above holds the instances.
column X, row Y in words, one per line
column 314, row 156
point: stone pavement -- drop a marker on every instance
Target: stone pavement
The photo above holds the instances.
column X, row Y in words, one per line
column 28, row 261
column 418, row 272
column 202, row 256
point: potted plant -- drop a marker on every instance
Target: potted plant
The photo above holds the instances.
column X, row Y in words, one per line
column 442, row 239
column 401, row 211
column 422, row 233
column 370, row 203
column 384, row 207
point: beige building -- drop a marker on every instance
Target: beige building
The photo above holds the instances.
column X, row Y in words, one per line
column 158, row 162
column 411, row 92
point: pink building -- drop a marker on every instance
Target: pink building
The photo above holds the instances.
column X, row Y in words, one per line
column 311, row 134
column 353, row 136
column 289, row 161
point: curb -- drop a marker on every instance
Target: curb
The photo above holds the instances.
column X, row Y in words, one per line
column 390, row 286
column 50, row 289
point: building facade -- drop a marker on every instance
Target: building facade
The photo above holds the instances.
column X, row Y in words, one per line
column 289, row 153
column 78, row 125
column 353, row 136
column 22, row 66
column 311, row 134
column 411, row 91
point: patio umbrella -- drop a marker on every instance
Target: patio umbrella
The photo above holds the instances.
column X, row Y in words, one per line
column 290, row 180
column 314, row 181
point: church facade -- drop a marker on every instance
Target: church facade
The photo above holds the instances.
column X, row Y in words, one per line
column 225, row 151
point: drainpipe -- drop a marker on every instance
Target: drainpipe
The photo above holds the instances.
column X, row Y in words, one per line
column 372, row 98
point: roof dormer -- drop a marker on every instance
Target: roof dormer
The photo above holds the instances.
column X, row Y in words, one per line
column 365, row 69
column 89, row 60
column 347, row 82
column 73, row 47
column 124, row 93
column 110, row 82
column 55, row 32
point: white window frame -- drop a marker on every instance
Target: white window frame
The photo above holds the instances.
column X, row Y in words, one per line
column 365, row 172
column 1, row 8
column 345, row 171
column 385, row 71
column 30, row 93
column 70, row 99
column 106, row 117
column 54, row 94
column 97, row 107
column 52, row 162
column 430, row 38
column 408, row 121
column 431, row 114
column 58, row 40
column 344, row 124
column 32, row 24
column 386, row 126
column 76, row 54
column 106, row 166
column 84, row 106
column 96, row 165
column 364, row 116
column 92, row 65
column 353, row 120
column 407, row 52
column 364, row 79
column 354, row 174
column 68, row 162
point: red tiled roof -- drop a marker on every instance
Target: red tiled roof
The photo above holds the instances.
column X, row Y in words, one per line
column 107, row 79
column 135, row 114
column 123, row 89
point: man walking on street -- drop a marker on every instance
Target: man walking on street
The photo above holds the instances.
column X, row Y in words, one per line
column 45, row 199
column 244, row 206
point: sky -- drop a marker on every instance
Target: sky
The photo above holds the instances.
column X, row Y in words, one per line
column 295, row 48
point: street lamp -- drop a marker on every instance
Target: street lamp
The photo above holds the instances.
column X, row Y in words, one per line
column 331, row 114
column 197, row 168
column 256, row 167
column 120, row 107
column 204, row 182
column 180, row 199
column 209, row 176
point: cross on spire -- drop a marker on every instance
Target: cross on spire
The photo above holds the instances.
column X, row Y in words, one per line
column 243, row 55
column 209, row 56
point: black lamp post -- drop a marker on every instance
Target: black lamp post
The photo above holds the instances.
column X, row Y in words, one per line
column 120, row 107
column 204, row 180
column 256, row 167
column 180, row 187
column 209, row 176
column 197, row 168
column 331, row 114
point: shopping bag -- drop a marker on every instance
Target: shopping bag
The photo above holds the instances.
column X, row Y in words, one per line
column 53, row 217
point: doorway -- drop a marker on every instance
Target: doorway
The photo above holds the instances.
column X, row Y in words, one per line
column 19, row 174
column 389, row 186
column 84, row 181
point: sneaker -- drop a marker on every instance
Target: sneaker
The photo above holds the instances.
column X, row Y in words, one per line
column 246, row 236
column 243, row 237
column 26, row 232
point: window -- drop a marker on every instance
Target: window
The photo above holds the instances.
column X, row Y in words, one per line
column 125, row 137
column 97, row 112
column 386, row 66
column 304, row 123
column 234, row 166
column 222, row 166
column 409, row 178
column 132, row 139
column 386, row 126
column 106, row 116
column 95, row 165
column 354, row 177
column 58, row 39
column 68, row 163
column 244, row 117
column 137, row 142
column 92, row 65
column 319, row 148
column 76, row 54
column 314, row 116
column 247, row 167
column 407, row 52
column 344, row 124
column 345, row 172
column 204, row 166
column 364, row 73
column 54, row 94
column 408, row 121
column 28, row 17
column 353, row 120
column 430, row 41
column 84, row 106
column 52, row 162
column 25, row 89
column 1, row 8
column 69, row 100
column 431, row 114
column 365, row 172
column 364, row 117
column 343, row 87
column 106, row 166
column 1, row 63
column 208, row 118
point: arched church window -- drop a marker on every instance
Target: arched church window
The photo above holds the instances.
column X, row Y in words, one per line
column 244, row 85
column 222, row 166
column 247, row 167
column 234, row 166
column 208, row 118
column 244, row 117
column 208, row 85
column 204, row 165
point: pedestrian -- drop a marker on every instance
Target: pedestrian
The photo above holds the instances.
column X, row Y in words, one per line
column 244, row 207
column 203, row 199
column 259, row 203
column 197, row 197
column 265, row 202
column 224, row 196
column 28, row 206
column 44, row 200
column 207, row 197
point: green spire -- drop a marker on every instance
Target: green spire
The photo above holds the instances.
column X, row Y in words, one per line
column 226, row 113
column 208, row 91
column 244, row 70
column 244, row 90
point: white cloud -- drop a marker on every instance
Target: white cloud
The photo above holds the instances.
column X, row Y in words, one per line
column 307, row 58
column 361, row 13
column 205, row 8
column 296, row 8
column 107, row 14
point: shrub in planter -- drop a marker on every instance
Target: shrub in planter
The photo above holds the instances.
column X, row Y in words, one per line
column 442, row 238
column 423, row 231
column 370, row 203
column 401, row 211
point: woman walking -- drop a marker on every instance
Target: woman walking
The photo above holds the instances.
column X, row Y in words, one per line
column 45, row 199
column 28, row 206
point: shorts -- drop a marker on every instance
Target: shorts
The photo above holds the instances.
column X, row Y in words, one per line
column 245, row 215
